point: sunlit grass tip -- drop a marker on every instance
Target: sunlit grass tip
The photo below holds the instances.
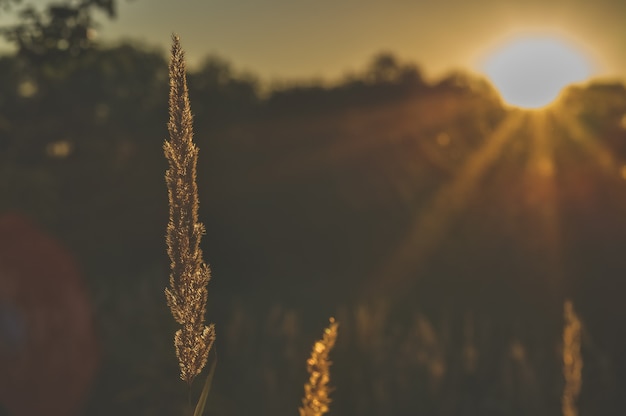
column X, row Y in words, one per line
column 316, row 399
column 189, row 276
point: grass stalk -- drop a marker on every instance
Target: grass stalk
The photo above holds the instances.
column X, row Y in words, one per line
column 316, row 398
column 572, row 360
column 187, row 294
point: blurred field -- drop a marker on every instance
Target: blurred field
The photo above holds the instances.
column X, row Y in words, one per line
column 309, row 194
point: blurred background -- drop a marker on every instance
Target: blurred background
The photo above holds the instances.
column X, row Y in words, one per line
column 442, row 227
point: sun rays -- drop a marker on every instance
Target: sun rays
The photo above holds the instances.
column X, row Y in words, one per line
column 542, row 187
column 432, row 225
column 427, row 177
column 582, row 136
column 544, row 132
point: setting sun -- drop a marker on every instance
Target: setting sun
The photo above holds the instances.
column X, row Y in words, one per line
column 530, row 72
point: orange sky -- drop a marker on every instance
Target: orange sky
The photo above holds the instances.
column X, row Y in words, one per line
column 304, row 39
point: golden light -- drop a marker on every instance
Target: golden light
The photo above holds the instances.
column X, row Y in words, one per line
column 531, row 71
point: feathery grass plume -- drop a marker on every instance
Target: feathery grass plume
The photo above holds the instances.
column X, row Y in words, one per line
column 187, row 294
column 572, row 360
column 316, row 390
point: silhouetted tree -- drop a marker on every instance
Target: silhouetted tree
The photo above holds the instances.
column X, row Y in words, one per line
column 462, row 80
column 60, row 30
column 386, row 68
